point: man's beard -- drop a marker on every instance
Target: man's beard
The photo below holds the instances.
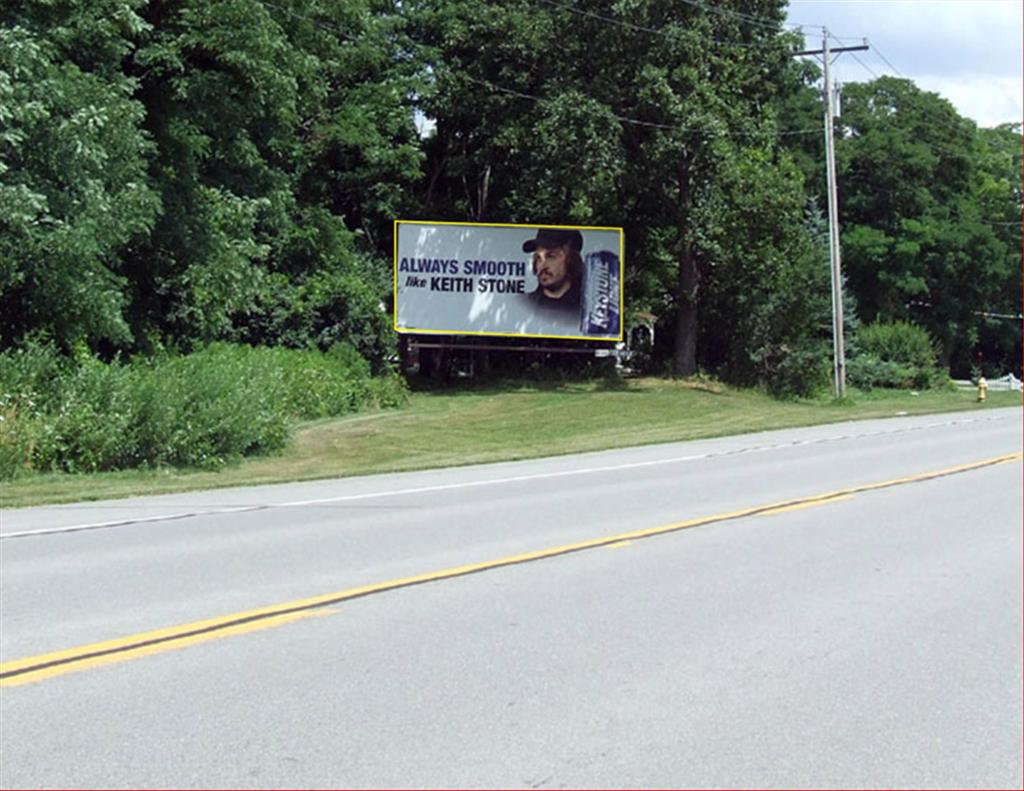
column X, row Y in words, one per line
column 552, row 285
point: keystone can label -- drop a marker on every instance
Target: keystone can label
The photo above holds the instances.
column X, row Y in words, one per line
column 600, row 304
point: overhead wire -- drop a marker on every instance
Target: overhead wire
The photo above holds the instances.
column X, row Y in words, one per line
column 875, row 50
column 839, row 39
column 695, row 3
column 638, row 122
column 609, row 20
column 520, row 94
column 935, row 147
column 642, row 28
column 867, row 68
column 885, row 60
column 752, row 19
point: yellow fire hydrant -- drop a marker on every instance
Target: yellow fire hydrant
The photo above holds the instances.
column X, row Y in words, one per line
column 982, row 389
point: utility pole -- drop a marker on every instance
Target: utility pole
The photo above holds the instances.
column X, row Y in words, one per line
column 828, row 96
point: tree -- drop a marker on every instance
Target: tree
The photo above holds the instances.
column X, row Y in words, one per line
column 629, row 116
column 997, row 192
column 768, row 320
column 176, row 171
column 74, row 190
column 284, row 136
column 916, row 242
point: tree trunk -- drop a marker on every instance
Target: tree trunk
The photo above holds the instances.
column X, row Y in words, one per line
column 684, row 355
column 482, row 194
column 435, row 173
column 684, row 346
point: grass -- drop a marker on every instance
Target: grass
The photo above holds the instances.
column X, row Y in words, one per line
column 473, row 425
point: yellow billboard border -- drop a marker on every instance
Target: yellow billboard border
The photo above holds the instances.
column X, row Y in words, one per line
column 622, row 281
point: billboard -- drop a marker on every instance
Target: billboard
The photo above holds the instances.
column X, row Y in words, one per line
column 536, row 281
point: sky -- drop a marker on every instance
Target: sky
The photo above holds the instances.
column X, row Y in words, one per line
column 967, row 51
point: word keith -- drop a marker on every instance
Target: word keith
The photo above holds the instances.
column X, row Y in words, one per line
column 465, row 284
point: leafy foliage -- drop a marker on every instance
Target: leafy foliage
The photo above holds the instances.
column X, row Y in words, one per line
column 918, row 241
column 897, row 354
column 202, row 409
column 175, row 176
column 174, row 173
column 638, row 117
column 74, row 192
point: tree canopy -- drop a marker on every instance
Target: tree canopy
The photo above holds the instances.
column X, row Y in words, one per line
column 177, row 172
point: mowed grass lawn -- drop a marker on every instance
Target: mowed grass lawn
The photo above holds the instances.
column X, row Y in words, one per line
column 474, row 425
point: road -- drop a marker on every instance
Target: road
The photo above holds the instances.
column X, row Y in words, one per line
column 836, row 606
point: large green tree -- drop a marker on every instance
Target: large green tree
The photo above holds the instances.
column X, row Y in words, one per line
column 284, row 136
column 917, row 208
column 176, row 171
column 997, row 192
column 636, row 114
column 75, row 193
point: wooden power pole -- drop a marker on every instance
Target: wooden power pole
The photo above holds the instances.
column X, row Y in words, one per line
column 828, row 96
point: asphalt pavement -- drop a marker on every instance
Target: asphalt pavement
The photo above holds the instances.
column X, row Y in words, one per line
column 836, row 606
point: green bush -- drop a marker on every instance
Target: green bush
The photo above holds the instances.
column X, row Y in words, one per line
column 387, row 392
column 203, row 409
column 17, row 440
column 897, row 355
column 91, row 428
column 27, row 374
column 792, row 371
column 317, row 384
column 899, row 342
column 208, row 407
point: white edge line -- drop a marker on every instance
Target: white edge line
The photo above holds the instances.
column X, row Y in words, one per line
column 470, row 484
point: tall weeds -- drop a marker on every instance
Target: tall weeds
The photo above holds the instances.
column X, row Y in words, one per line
column 203, row 409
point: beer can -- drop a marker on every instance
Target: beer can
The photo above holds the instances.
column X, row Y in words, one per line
column 599, row 315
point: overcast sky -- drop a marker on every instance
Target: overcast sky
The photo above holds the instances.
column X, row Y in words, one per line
column 968, row 51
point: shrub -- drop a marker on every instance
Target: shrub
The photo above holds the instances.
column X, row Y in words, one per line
column 28, row 373
column 322, row 384
column 788, row 372
column 17, row 439
column 868, row 372
column 91, row 427
column 899, row 342
column 203, row 409
column 898, row 355
column 208, row 408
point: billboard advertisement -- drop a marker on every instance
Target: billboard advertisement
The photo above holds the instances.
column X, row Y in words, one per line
column 536, row 281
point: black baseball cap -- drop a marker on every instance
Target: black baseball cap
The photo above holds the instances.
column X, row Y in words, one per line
column 555, row 237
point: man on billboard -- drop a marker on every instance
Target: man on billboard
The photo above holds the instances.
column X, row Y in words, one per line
column 558, row 267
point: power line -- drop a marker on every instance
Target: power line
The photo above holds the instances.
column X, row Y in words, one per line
column 611, row 20
column 867, row 68
column 928, row 115
column 754, row 20
column 635, row 121
column 638, row 122
column 624, row 119
column 642, row 28
column 520, row 94
column 315, row 22
column 900, row 74
column 887, row 62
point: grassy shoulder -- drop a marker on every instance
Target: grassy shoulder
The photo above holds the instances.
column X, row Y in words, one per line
column 470, row 426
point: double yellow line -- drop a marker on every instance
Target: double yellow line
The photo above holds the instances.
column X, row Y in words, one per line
column 42, row 666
